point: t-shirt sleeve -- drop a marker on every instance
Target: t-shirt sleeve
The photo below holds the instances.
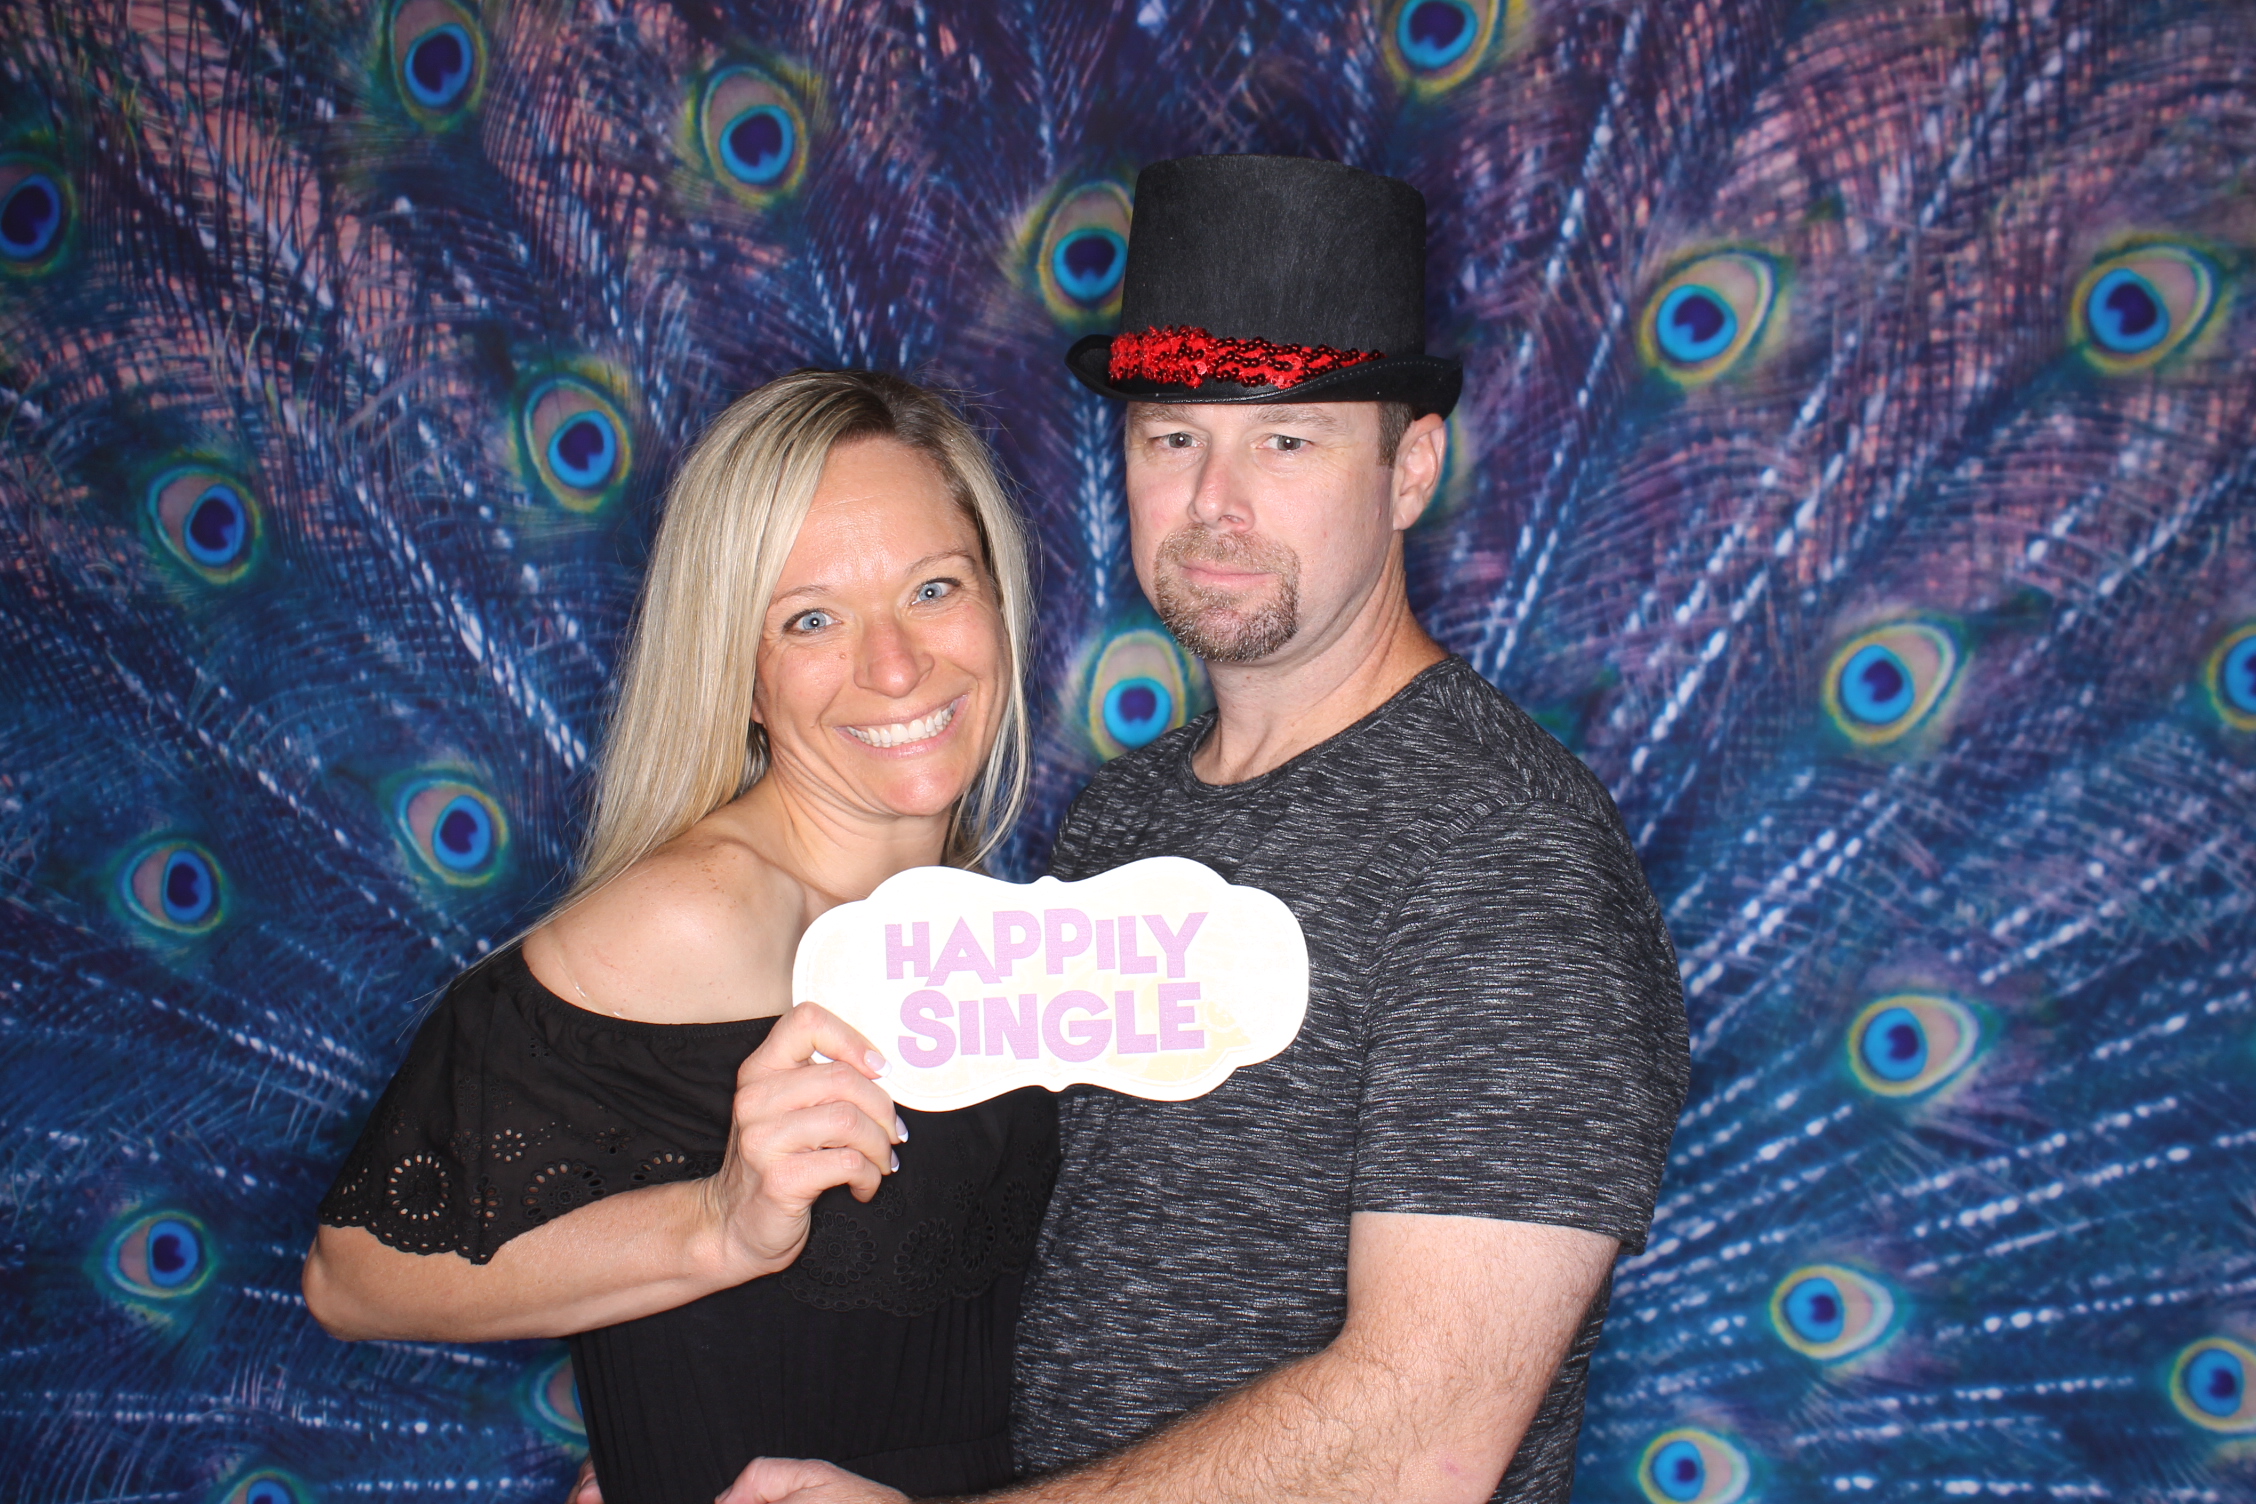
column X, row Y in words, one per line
column 1067, row 862
column 1526, row 1055
column 416, row 1177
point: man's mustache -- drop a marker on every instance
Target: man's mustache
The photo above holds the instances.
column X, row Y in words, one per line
column 1198, row 545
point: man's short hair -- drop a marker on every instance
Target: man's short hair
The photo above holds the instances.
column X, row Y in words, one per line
column 1394, row 421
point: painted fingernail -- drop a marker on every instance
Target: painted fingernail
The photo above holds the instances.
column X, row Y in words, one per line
column 900, row 1130
column 876, row 1062
column 896, row 1161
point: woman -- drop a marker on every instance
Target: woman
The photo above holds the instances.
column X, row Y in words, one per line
column 621, row 1130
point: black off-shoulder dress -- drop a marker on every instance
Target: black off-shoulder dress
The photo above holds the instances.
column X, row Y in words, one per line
column 885, row 1348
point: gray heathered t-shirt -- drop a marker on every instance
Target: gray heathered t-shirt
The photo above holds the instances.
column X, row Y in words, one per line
column 1495, row 1029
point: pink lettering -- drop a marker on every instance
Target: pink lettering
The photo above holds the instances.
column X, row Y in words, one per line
column 1104, row 945
column 1065, row 933
column 934, row 1043
column 1018, row 935
column 1176, row 944
column 916, row 955
column 1018, row 1029
column 967, row 1025
column 1078, row 1039
column 1132, row 964
column 1131, row 1043
column 1173, row 1015
column 962, row 953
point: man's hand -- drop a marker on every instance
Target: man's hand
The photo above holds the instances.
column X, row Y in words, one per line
column 789, row 1480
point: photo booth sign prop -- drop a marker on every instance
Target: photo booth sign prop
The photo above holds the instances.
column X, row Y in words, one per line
column 1156, row 979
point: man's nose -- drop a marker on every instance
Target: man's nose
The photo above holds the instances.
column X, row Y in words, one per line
column 890, row 662
column 1218, row 499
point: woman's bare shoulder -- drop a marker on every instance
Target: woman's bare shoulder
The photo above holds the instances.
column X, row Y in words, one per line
column 702, row 930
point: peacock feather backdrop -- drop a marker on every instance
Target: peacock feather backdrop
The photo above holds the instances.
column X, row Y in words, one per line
column 1857, row 471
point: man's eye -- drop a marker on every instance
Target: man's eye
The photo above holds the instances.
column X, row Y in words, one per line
column 809, row 621
column 1289, row 444
column 1177, row 440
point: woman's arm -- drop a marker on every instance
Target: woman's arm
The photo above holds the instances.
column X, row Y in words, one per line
column 799, row 1128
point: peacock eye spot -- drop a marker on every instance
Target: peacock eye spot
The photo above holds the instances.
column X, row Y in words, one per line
column 1691, row 1466
column 1707, row 315
column 265, row 1487
column 585, row 450
column 2135, row 309
column 438, row 66
column 161, row 1256
column 1887, row 681
column 756, row 147
column 754, row 133
column 1876, row 687
column 1909, row 1043
column 2232, row 677
column 555, row 1398
column 31, row 217
column 1139, row 689
column 577, row 440
column 2209, row 1385
column 438, row 54
column 206, row 520
column 1435, row 44
column 1082, row 254
column 1827, row 1312
column 1089, row 263
column 455, row 828
column 2127, row 313
column 1695, row 324
column 174, row 886
column 1137, row 710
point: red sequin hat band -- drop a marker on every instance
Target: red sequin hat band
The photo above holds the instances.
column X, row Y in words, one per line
column 1189, row 356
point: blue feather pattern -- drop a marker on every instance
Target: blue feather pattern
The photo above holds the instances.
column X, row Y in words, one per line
column 1854, row 471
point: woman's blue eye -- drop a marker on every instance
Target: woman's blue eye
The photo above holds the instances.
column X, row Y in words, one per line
column 933, row 590
column 812, row 621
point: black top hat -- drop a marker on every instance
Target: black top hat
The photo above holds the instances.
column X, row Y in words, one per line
column 1251, row 276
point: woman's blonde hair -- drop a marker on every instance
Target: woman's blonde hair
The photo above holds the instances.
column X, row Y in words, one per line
column 682, row 741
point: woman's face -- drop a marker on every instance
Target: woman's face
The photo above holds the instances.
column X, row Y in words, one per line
column 881, row 677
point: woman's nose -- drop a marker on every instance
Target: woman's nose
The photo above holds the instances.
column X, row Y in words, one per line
column 890, row 662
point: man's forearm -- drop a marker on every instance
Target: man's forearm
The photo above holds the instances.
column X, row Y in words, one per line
column 1339, row 1425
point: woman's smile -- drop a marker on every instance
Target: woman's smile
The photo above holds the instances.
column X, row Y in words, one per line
column 909, row 736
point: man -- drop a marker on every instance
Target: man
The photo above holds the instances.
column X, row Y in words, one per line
column 1374, row 1266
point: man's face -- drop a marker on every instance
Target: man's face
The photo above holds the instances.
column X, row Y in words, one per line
column 1254, row 528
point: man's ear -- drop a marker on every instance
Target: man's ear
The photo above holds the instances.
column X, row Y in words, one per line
column 1417, row 468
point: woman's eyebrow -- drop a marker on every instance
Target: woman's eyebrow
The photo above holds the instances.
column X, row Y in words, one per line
column 817, row 587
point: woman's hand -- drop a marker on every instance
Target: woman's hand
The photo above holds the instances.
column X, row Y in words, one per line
column 787, row 1480
column 801, row 1125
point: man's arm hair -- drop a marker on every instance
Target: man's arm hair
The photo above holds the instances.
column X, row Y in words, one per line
column 1455, row 1328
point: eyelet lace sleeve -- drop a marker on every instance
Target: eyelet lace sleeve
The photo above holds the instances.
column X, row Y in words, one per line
column 514, row 1108
column 504, row 1117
